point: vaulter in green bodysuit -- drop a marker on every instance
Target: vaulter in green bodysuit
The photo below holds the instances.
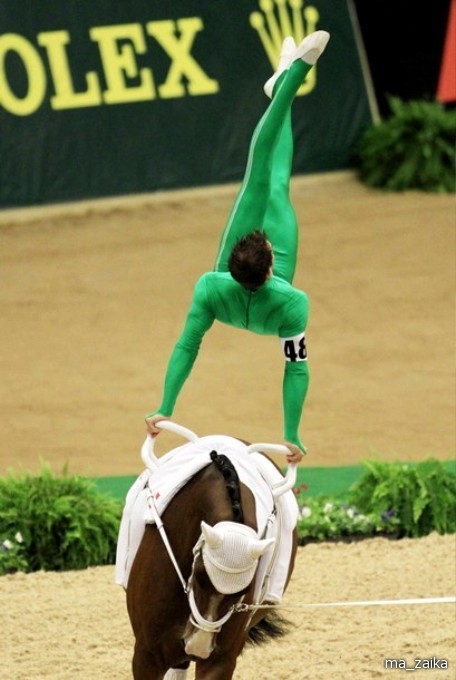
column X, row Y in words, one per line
column 255, row 292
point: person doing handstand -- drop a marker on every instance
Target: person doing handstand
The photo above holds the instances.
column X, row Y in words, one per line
column 251, row 285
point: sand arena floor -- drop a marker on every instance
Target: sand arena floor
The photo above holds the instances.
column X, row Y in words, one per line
column 93, row 297
column 74, row 625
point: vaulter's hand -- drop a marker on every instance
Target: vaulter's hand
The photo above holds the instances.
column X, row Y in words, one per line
column 296, row 455
column 150, row 423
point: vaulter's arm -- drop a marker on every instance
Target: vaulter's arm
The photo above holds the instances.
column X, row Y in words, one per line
column 199, row 319
column 296, row 372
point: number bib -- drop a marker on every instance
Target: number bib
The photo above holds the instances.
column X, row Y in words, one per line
column 294, row 348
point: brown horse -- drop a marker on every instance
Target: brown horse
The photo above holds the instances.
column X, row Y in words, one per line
column 176, row 612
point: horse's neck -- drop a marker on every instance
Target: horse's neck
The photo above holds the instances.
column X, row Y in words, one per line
column 204, row 498
column 214, row 504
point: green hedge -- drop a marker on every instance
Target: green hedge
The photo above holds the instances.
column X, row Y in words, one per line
column 411, row 149
column 422, row 497
column 395, row 499
column 55, row 523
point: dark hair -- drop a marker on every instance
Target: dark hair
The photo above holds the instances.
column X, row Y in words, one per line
column 250, row 260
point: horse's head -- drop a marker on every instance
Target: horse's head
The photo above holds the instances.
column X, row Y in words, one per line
column 230, row 553
column 226, row 559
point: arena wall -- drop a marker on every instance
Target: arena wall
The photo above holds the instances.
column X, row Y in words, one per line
column 105, row 99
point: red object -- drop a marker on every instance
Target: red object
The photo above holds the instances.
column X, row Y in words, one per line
column 446, row 91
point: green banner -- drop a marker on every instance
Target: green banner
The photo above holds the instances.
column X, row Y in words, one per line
column 113, row 97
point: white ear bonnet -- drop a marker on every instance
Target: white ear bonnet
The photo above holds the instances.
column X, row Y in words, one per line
column 230, row 555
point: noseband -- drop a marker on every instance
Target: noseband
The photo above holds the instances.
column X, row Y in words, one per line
column 196, row 619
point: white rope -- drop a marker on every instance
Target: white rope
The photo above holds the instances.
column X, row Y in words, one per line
column 367, row 603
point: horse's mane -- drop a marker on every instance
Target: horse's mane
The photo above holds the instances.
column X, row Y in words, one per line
column 228, row 471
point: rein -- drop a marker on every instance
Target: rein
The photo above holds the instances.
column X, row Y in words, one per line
column 164, row 537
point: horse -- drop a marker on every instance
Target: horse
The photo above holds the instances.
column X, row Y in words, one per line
column 191, row 585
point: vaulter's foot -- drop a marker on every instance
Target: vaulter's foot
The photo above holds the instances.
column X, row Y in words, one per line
column 312, row 47
column 286, row 59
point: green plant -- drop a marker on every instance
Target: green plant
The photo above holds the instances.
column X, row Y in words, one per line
column 12, row 556
column 412, row 149
column 327, row 518
column 422, row 496
column 64, row 523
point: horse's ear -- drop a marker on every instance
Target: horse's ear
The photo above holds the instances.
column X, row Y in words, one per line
column 211, row 536
column 258, row 548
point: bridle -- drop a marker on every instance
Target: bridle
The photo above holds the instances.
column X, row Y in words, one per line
column 196, row 618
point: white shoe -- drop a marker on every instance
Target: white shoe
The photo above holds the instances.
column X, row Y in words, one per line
column 312, row 47
column 286, row 58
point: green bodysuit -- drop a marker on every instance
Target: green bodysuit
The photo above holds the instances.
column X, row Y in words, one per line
column 276, row 308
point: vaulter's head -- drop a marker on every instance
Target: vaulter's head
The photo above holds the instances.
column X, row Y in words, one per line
column 251, row 259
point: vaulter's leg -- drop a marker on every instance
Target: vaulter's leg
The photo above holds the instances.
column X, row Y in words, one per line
column 249, row 210
column 280, row 223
